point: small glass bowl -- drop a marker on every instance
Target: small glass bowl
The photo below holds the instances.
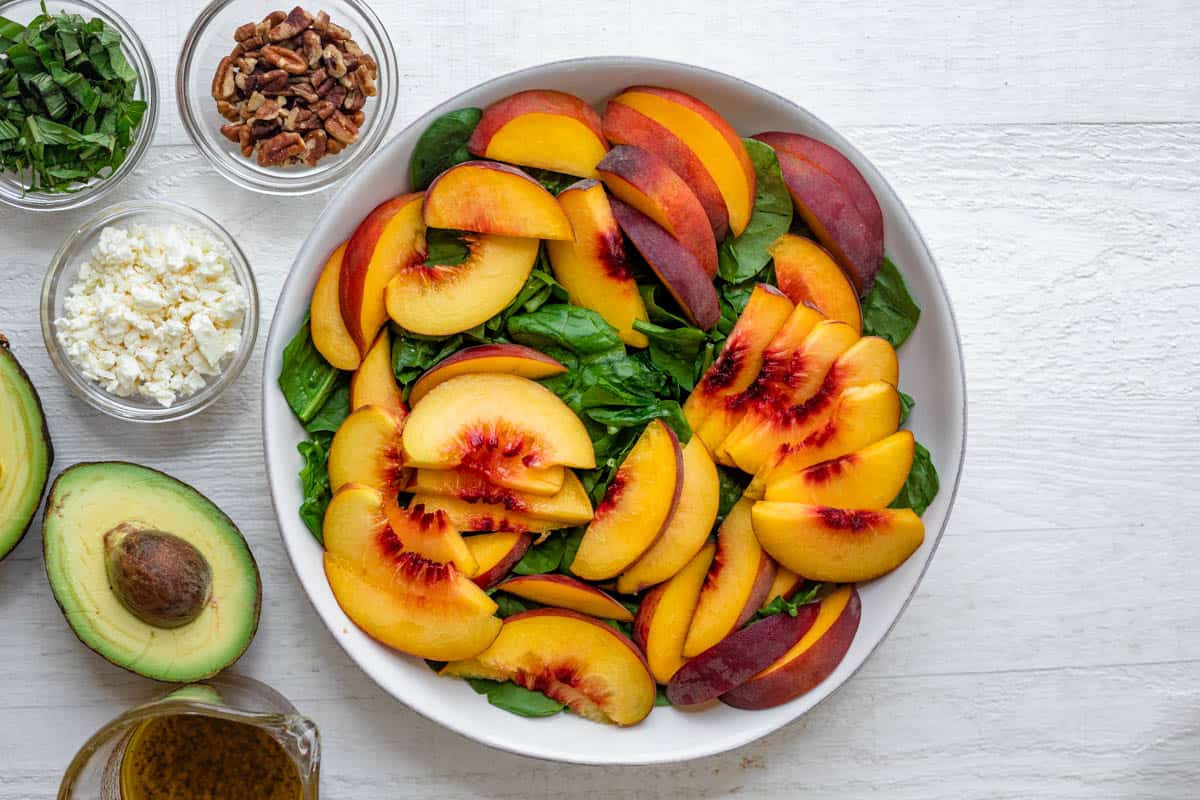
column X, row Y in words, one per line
column 12, row 190
column 211, row 39
column 65, row 268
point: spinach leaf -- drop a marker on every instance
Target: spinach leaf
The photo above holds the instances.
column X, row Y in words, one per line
column 539, row 289
column 660, row 697
column 445, row 247
column 676, row 351
column 510, row 604
column 579, row 330
column 733, row 482
column 413, row 354
column 669, row 411
column 306, row 378
column 542, row 558
column 922, row 484
column 554, row 182
column 906, row 407
column 516, row 699
column 442, row 145
column 741, row 258
column 571, row 541
column 789, row 605
column 314, row 481
column 889, row 310
column 658, row 314
column 334, row 410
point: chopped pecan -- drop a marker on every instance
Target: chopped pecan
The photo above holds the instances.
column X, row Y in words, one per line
column 232, row 132
column 255, row 101
column 307, row 120
column 358, row 118
column 324, row 109
column 273, row 82
column 274, row 18
column 253, row 44
column 364, row 81
column 268, row 110
column 371, row 64
column 340, row 127
column 264, row 128
column 244, row 32
column 351, row 62
column 311, row 47
column 246, row 64
column 334, row 61
column 325, row 87
column 317, row 76
column 354, row 100
column 228, row 110
column 246, row 141
column 305, row 92
column 333, row 147
column 352, row 48
column 314, row 147
column 292, row 25
column 336, row 32
column 321, row 23
column 280, row 149
column 282, row 58
column 242, row 81
column 224, row 84
column 336, row 95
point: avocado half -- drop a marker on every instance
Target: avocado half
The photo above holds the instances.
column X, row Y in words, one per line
column 25, row 451
column 89, row 501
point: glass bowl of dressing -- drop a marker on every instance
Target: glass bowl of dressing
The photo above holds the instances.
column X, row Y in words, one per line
column 230, row 736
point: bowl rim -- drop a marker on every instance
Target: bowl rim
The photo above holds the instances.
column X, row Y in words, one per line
column 95, row 396
column 277, row 336
column 143, row 64
column 305, row 181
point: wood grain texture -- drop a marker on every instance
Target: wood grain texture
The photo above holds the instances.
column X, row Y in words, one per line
column 1051, row 155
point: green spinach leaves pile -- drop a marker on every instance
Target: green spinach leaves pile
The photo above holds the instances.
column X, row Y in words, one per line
column 613, row 389
column 67, row 107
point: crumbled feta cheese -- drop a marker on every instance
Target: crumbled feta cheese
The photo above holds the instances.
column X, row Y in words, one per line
column 153, row 311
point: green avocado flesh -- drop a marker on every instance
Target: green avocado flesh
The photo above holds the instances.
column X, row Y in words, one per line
column 88, row 500
column 25, row 451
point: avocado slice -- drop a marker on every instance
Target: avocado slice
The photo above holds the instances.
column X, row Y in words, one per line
column 91, row 508
column 25, row 451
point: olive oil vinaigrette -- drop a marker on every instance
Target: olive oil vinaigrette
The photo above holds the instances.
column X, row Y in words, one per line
column 194, row 757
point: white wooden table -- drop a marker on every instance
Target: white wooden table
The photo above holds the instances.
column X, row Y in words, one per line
column 1051, row 154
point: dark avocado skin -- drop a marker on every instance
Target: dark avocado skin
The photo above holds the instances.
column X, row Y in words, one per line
column 6, row 353
column 250, row 553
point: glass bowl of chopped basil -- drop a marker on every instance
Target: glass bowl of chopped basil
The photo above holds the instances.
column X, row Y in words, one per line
column 78, row 102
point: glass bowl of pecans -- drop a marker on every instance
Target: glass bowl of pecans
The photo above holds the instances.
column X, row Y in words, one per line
column 291, row 101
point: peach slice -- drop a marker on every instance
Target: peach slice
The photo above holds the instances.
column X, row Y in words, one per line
column 511, row 359
column 374, row 383
column 623, row 125
column 688, row 528
column 666, row 612
column 355, row 505
column 645, row 182
column 637, row 507
column 541, row 128
column 860, row 416
column 739, row 578
column 837, row 165
column 398, row 596
column 830, row 213
column 810, row 660
column 496, row 554
column 807, row 274
column 486, row 516
column 785, row 584
column 740, row 358
column 488, row 197
column 496, row 426
column 771, row 364
column 738, row 657
column 389, row 240
column 571, row 504
column 440, row 300
column 674, row 265
column 836, row 544
column 593, row 268
column 366, row 450
column 329, row 334
column 867, row 478
column 562, row 591
column 712, row 140
column 784, row 382
column 579, row 661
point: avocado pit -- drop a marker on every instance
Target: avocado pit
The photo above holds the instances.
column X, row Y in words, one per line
column 162, row 579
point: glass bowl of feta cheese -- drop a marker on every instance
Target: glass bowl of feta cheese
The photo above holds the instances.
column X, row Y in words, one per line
column 150, row 311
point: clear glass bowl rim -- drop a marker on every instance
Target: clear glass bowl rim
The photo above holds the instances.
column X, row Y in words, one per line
column 292, row 183
column 89, row 391
column 148, row 80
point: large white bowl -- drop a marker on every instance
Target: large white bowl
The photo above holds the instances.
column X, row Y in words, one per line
column 931, row 370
